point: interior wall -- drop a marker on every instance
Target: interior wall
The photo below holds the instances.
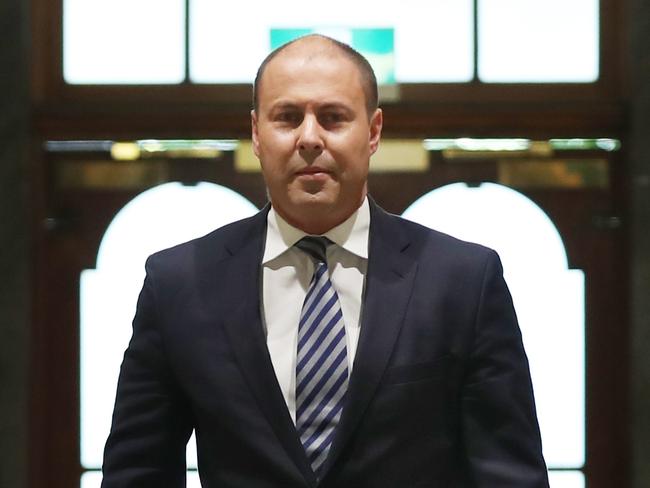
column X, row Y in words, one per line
column 639, row 69
column 14, row 243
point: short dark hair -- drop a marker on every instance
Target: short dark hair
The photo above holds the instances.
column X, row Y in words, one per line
column 368, row 79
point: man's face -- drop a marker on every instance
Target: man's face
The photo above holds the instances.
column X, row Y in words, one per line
column 313, row 135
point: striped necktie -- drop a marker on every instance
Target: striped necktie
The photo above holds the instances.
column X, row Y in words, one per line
column 322, row 363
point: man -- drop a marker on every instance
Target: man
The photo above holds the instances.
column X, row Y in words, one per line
column 386, row 355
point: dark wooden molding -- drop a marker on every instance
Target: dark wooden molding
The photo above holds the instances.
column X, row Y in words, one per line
column 101, row 120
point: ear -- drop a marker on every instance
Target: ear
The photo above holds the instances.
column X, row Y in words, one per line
column 254, row 134
column 376, row 123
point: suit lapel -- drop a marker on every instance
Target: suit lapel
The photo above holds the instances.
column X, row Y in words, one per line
column 246, row 334
column 388, row 288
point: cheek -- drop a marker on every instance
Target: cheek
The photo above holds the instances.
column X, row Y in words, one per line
column 352, row 159
column 352, row 146
column 277, row 142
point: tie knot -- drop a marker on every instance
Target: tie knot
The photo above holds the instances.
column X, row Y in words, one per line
column 315, row 246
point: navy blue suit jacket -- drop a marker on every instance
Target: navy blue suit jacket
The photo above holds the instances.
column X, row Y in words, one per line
column 439, row 396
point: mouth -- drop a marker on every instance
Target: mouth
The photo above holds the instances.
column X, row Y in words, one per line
column 313, row 172
column 308, row 170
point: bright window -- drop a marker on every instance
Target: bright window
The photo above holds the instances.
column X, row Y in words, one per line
column 534, row 41
column 123, row 41
column 433, row 38
column 432, row 41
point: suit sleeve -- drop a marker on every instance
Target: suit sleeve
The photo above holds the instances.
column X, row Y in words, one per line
column 499, row 423
column 151, row 423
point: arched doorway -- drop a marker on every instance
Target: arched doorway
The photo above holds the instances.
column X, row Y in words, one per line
column 158, row 218
column 548, row 298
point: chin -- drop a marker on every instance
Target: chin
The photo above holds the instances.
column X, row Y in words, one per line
column 317, row 196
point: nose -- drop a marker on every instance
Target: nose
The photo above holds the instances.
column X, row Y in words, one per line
column 310, row 141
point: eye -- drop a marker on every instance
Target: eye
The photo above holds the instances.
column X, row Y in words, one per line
column 331, row 118
column 290, row 117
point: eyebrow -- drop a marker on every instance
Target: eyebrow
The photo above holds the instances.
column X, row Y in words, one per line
column 284, row 105
column 334, row 106
column 287, row 105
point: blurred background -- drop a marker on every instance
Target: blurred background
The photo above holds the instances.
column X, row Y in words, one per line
column 520, row 124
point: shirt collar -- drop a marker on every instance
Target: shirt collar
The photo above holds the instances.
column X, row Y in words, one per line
column 351, row 235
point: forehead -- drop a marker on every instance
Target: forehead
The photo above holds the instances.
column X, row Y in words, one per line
column 313, row 69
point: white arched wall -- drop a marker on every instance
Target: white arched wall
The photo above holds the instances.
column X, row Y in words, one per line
column 548, row 297
column 156, row 219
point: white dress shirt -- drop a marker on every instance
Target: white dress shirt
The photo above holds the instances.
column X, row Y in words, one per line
column 286, row 274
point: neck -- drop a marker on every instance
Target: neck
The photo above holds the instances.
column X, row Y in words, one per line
column 314, row 224
column 318, row 221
